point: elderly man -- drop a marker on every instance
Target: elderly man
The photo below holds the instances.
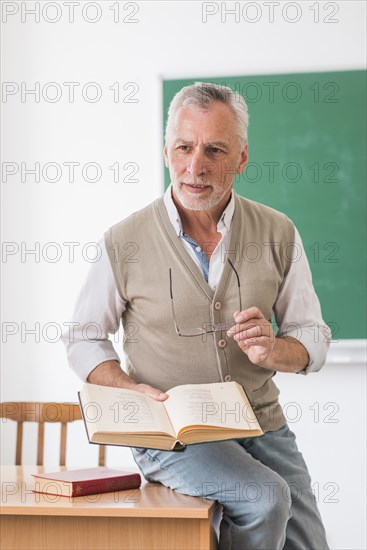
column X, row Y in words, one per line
column 225, row 264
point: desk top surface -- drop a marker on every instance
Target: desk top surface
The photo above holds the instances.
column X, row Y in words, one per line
column 152, row 500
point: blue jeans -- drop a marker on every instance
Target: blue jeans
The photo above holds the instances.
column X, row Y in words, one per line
column 261, row 482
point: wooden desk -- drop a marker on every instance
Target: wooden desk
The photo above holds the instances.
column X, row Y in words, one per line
column 152, row 517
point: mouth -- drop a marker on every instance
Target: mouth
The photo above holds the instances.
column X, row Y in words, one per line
column 196, row 188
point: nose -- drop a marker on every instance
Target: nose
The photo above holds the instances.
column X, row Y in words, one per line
column 197, row 166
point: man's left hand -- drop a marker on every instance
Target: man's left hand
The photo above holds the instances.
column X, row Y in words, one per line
column 254, row 335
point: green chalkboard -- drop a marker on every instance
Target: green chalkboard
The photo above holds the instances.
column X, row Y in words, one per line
column 307, row 145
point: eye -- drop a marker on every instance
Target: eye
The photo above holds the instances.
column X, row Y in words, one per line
column 215, row 150
column 183, row 147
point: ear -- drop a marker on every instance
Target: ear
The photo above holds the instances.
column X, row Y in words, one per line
column 165, row 153
column 243, row 160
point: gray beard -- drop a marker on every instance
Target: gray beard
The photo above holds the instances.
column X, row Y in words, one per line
column 201, row 204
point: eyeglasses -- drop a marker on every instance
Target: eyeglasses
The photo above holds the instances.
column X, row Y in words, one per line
column 207, row 327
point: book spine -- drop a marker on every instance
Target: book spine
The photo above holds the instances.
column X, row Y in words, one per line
column 83, row 488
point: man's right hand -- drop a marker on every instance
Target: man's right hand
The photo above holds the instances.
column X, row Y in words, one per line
column 109, row 373
column 158, row 395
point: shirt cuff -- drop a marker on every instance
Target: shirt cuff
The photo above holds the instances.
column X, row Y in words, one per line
column 316, row 341
column 85, row 356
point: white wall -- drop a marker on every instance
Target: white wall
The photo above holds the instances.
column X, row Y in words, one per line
column 169, row 40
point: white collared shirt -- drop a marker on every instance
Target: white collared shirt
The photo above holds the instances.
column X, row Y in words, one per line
column 297, row 309
column 223, row 227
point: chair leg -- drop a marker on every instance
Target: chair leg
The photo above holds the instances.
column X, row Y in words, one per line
column 101, row 455
column 18, row 452
column 40, row 444
column 63, row 444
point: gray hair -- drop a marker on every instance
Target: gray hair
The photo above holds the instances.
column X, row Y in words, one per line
column 203, row 94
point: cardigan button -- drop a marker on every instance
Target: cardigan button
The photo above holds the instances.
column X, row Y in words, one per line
column 227, row 378
column 217, row 305
column 222, row 343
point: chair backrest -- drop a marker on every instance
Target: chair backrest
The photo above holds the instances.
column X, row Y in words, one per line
column 27, row 411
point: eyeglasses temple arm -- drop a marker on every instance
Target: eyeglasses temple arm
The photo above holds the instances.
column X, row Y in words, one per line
column 171, row 295
column 238, row 281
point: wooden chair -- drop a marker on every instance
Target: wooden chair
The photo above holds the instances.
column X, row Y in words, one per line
column 25, row 411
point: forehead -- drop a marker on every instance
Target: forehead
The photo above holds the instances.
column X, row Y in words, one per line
column 216, row 121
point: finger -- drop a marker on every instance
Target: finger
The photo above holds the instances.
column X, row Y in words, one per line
column 249, row 342
column 156, row 394
column 234, row 328
column 252, row 325
column 247, row 314
column 254, row 332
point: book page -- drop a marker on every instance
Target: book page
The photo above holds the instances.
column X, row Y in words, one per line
column 222, row 404
column 119, row 410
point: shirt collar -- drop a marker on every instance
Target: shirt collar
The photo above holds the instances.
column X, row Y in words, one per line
column 174, row 217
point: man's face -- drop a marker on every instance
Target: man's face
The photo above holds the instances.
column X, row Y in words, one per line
column 203, row 155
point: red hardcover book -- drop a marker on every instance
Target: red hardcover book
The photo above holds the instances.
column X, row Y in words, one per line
column 89, row 481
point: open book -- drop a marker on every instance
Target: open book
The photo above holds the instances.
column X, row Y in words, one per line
column 193, row 413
